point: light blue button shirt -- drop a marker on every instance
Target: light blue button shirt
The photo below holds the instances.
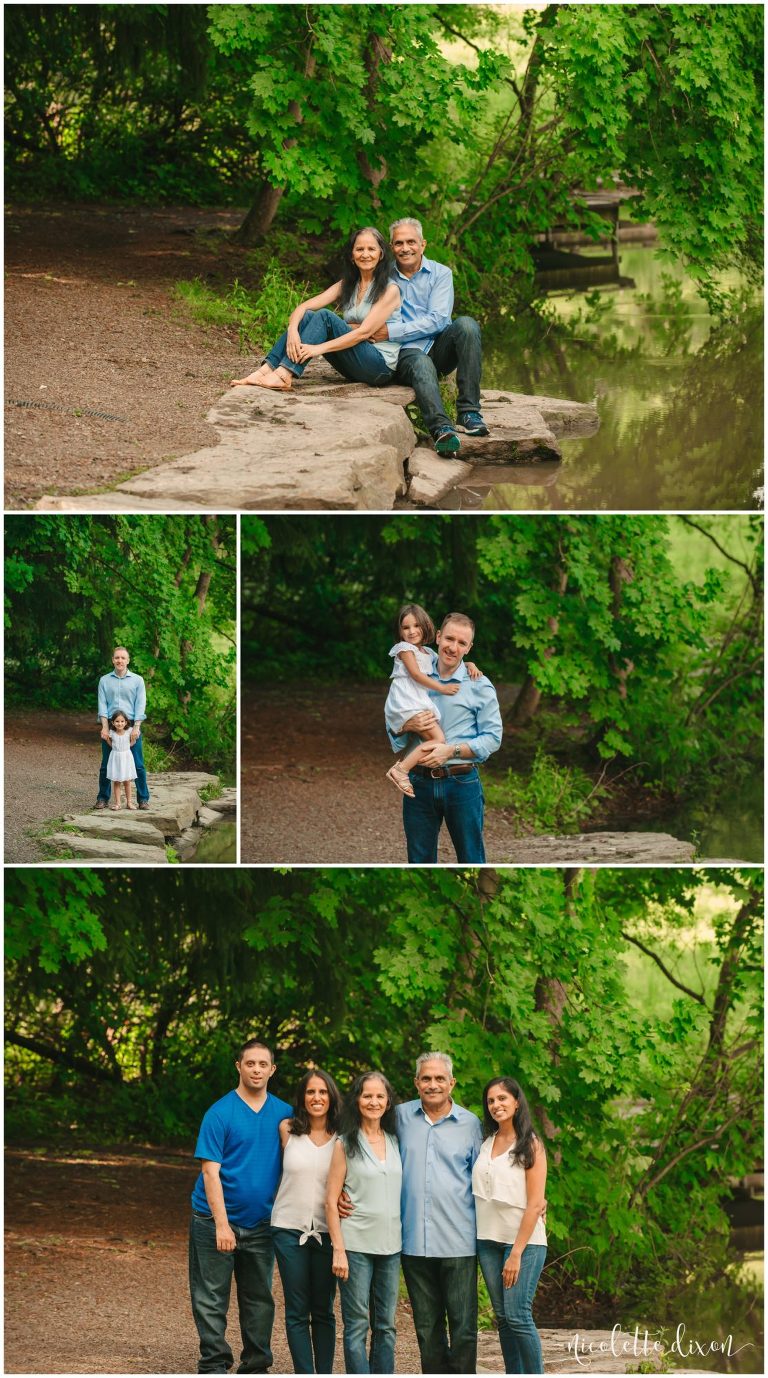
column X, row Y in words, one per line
column 122, row 694
column 471, row 716
column 438, row 1207
column 426, row 306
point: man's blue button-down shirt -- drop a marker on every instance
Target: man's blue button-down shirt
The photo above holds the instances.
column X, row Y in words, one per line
column 472, row 716
column 124, row 694
column 426, row 306
column 437, row 1205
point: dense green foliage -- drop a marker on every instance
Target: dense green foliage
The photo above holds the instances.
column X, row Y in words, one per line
column 126, row 994
column 612, row 644
column 76, row 587
column 484, row 123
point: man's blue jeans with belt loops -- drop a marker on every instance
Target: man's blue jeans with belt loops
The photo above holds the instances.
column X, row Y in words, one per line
column 456, row 800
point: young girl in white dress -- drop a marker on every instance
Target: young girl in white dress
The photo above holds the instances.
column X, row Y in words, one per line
column 121, row 767
column 413, row 662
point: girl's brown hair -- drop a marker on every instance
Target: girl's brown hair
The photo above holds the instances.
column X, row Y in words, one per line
column 423, row 621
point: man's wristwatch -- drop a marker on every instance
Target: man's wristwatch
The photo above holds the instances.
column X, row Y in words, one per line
column 456, row 753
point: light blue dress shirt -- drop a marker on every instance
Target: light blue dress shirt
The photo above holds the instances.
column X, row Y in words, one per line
column 438, row 1207
column 122, row 694
column 471, row 716
column 426, row 306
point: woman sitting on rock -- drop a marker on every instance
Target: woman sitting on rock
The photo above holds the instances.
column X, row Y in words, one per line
column 366, row 299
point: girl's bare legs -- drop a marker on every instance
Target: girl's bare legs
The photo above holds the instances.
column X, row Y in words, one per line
column 398, row 773
column 128, row 801
column 115, row 796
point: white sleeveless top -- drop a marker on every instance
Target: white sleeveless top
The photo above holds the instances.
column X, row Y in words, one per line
column 501, row 1197
column 300, row 1201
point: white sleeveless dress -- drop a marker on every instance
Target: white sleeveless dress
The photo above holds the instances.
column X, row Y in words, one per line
column 121, row 765
column 405, row 696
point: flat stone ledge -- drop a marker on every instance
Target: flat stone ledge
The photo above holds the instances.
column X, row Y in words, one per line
column 585, row 848
column 331, row 445
column 599, row 1351
column 109, row 850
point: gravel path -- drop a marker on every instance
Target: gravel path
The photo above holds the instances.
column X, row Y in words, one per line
column 51, row 768
column 90, row 326
column 313, row 766
column 96, row 1267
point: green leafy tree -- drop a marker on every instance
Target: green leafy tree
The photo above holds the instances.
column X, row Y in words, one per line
column 163, row 586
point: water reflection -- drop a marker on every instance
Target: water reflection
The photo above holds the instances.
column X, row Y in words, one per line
column 680, row 420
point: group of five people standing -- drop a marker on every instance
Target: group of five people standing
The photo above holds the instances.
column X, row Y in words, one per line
column 348, row 1192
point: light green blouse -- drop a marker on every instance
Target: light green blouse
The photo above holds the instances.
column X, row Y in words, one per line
column 374, row 1189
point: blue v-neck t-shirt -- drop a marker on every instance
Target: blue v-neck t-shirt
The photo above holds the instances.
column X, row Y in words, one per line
column 247, row 1145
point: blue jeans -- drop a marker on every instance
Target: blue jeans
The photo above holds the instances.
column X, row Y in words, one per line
column 456, row 800
column 444, row 1290
column 210, row 1282
column 512, row 1306
column 369, row 1301
column 363, row 363
column 457, row 347
column 105, row 785
column 309, row 1288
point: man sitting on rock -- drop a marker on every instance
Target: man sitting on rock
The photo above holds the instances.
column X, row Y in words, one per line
column 433, row 345
column 122, row 691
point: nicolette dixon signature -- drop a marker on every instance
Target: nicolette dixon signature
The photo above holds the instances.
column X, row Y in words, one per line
column 639, row 1344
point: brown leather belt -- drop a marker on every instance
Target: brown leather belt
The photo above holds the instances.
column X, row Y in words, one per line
column 442, row 772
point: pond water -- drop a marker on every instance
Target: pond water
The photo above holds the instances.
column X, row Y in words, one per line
column 680, row 417
column 217, row 844
column 726, row 825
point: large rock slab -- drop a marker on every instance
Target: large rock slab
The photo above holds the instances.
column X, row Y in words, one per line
column 587, row 848
column 110, row 850
column 115, row 827
column 174, row 801
column 331, row 445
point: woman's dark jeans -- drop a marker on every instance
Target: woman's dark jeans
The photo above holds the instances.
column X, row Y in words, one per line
column 309, row 1288
column 210, row 1281
column 512, row 1306
column 362, row 363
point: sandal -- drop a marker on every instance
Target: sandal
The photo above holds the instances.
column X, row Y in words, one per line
column 399, row 778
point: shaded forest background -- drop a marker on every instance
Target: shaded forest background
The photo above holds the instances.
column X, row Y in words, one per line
column 628, row 1003
column 165, row 587
column 628, row 641
column 487, row 121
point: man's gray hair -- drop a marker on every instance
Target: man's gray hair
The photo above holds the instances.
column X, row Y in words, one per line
column 407, row 220
column 121, row 648
column 434, row 1057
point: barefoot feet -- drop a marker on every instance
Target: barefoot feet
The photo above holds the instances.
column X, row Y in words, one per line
column 280, row 379
column 399, row 778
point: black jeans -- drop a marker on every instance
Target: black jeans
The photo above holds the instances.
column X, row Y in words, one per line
column 210, row 1282
column 441, row 1289
column 457, row 347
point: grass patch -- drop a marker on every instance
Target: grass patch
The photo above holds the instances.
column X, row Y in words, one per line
column 550, row 798
column 259, row 317
column 172, row 855
column 156, row 758
column 209, row 792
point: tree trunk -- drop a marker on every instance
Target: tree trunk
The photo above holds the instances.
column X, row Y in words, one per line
column 258, row 221
column 550, row 996
column 528, row 700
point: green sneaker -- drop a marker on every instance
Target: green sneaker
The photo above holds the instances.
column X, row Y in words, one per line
column 446, row 441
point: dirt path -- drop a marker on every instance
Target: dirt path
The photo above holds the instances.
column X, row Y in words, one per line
column 51, row 768
column 90, row 325
column 96, row 1267
column 313, row 770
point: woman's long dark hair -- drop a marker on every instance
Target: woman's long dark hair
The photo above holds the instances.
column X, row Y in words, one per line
column 350, row 273
column 300, row 1123
column 351, row 1121
column 526, row 1138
